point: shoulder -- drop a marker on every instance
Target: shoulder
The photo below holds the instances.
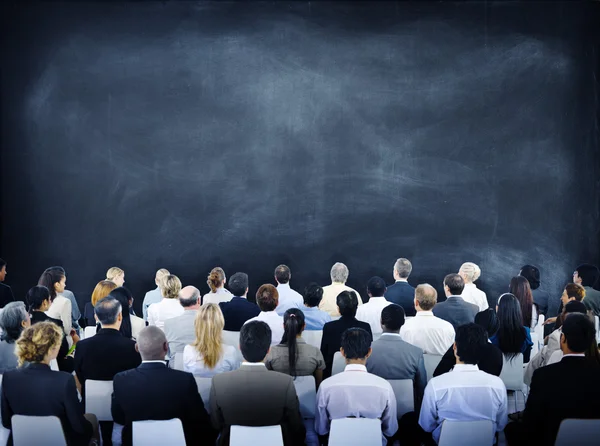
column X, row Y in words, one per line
column 126, row 375
column 364, row 325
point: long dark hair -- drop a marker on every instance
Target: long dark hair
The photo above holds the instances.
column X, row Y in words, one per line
column 511, row 333
column 49, row 278
column 123, row 295
column 519, row 287
column 36, row 297
column 293, row 324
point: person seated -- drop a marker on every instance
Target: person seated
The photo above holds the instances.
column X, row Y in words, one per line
column 154, row 296
column 267, row 299
column 253, row 395
column 356, row 392
column 512, row 337
column 546, row 306
column 371, row 311
column 455, row 309
column 470, row 272
column 572, row 292
column 206, row 355
column 401, row 292
column 519, row 287
column 490, row 358
column 587, row 276
column 131, row 325
column 101, row 290
column 14, row 318
column 466, row 393
column 180, row 330
column 169, row 306
column 288, row 298
column 556, row 390
column 60, row 307
column 75, row 313
column 35, row 390
column 218, row 293
column 430, row 333
column 347, row 304
column 6, row 294
column 152, row 391
column 293, row 356
column 339, row 275
column 238, row 310
column 315, row 319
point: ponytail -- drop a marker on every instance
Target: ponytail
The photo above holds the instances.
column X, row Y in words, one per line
column 49, row 278
column 293, row 324
column 216, row 279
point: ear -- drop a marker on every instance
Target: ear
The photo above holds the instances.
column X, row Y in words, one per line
column 369, row 353
column 165, row 346
column 342, row 352
column 120, row 316
column 96, row 319
column 137, row 349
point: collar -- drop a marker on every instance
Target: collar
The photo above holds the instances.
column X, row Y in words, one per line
column 465, row 368
column 402, row 280
column 155, row 361
column 377, row 299
column 390, row 334
column 424, row 313
column 285, row 286
column 339, row 283
column 355, row 368
column 575, row 355
column 454, row 296
column 239, row 297
column 38, row 366
column 254, row 364
column 269, row 314
column 109, row 331
column 470, row 285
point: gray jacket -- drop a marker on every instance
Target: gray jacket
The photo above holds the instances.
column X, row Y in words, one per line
column 180, row 332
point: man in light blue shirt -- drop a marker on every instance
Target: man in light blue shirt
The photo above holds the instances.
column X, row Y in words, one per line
column 313, row 317
column 288, row 298
column 154, row 296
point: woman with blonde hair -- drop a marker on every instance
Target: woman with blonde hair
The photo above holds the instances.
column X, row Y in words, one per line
column 116, row 275
column 470, row 272
column 218, row 293
column 169, row 306
column 102, row 289
column 208, row 356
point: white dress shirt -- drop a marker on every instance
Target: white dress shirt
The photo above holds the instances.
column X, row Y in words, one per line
column 371, row 313
column 159, row 312
column 558, row 355
column 329, row 301
column 428, row 332
column 463, row 394
column 288, row 298
column 61, row 309
column 275, row 323
column 151, row 297
column 221, row 295
column 137, row 325
column 356, row 393
column 475, row 296
column 194, row 363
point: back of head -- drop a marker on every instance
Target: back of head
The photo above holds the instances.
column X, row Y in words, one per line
column 238, row 284
column 114, row 272
column 209, row 325
column 470, row 271
column 160, row 274
column 152, row 344
column 575, row 291
column 575, row 307
column 255, row 341
column 293, row 324
column 532, row 274
column 519, row 287
column 511, row 333
column 376, row 286
column 267, row 297
column 170, row 287
column 392, row 318
column 189, row 296
column 426, row 295
column 470, row 340
column 579, row 332
column 36, row 342
column 102, row 289
column 49, row 278
column 11, row 321
column 36, row 297
column 455, row 284
column 488, row 320
column 347, row 303
column 589, row 274
column 282, row 274
column 107, row 310
column 313, row 293
column 339, row 273
column 356, row 343
column 123, row 296
column 216, row 279
column 403, row 268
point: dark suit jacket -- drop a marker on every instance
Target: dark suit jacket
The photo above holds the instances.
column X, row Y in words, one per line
column 65, row 364
column 37, row 390
column 88, row 315
column 237, row 311
column 456, row 311
column 153, row 391
column 403, row 294
column 332, row 338
column 6, row 295
column 255, row 396
column 490, row 361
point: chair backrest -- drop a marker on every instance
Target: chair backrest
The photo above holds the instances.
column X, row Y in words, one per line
column 54, row 365
column 431, row 362
column 512, row 372
column 580, row 432
column 177, row 361
column 88, row 332
column 232, row 338
column 536, row 344
column 98, row 398
column 29, row 430
column 405, row 395
column 158, row 433
column 355, row 432
column 204, row 386
column 313, row 337
column 339, row 364
column 306, row 389
column 467, row 433
column 256, row 435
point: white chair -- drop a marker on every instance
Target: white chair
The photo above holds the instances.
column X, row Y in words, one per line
column 4, row 433
column 29, row 430
column 98, row 396
column 178, row 361
column 339, row 364
column 597, row 325
column 256, row 435
column 467, row 433
column 313, row 337
column 306, row 389
column 431, row 362
column 54, row 365
column 536, row 344
column 88, row 332
column 355, row 432
column 512, row 373
column 578, row 432
column 204, row 386
column 231, row 338
column 158, row 433
column 405, row 395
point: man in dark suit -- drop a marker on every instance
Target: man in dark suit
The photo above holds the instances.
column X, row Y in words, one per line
column 6, row 295
column 567, row 389
column 454, row 309
column 402, row 293
column 347, row 303
column 153, row 391
column 238, row 310
column 253, row 395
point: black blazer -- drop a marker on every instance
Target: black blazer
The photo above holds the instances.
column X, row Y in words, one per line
column 153, row 391
column 332, row 338
column 6, row 295
column 88, row 315
column 37, row 390
column 65, row 363
column 456, row 311
column 237, row 311
column 403, row 294
column 490, row 361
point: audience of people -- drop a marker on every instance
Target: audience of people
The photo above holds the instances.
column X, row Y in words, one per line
column 587, row 276
column 454, row 309
column 14, row 318
column 519, row 287
column 370, row 312
column 154, row 296
column 169, row 306
column 339, row 275
column 470, row 272
column 512, row 336
column 180, row 330
column 401, row 292
column 216, row 282
column 288, row 298
column 238, row 310
column 314, row 318
column 101, row 290
column 6, row 294
column 267, row 299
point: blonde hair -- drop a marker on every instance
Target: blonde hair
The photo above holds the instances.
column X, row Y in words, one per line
column 216, row 278
column 471, row 271
column 426, row 295
column 209, row 325
column 170, row 286
column 102, row 289
column 160, row 274
column 36, row 341
column 114, row 272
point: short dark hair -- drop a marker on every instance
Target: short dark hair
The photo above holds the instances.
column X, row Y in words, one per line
column 376, row 286
column 255, row 341
column 238, row 284
column 2, row 263
column 579, row 332
column 36, row 297
column 532, row 274
column 470, row 340
column 283, row 274
column 575, row 307
column 313, row 293
column 455, row 283
column 267, row 297
column 588, row 273
column 356, row 343
column 392, row 317
column 107, row 310
column 347, row 302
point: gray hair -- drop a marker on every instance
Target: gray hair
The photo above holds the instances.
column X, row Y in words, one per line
column 403, row 267
column 107, row 310
column 188, row 296
column 339, row 273
column 11, row 320
column 470, row 271
column 151, row 343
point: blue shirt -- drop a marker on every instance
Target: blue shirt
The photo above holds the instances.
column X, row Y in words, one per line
column 152, row 297
column 315, row 318
column 525, row 348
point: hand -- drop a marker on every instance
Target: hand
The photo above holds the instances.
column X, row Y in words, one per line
column 550, row 320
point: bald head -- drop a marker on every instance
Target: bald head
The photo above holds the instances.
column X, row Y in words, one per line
column 425, row 297
column 189, row 298
column 152, row 344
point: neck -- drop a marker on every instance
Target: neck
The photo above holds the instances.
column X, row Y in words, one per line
column 385, row 330
column 112, row 326
column 362, row 361
column 419, row 309
column 338, row 283
column 192, row 308
column 162, row 358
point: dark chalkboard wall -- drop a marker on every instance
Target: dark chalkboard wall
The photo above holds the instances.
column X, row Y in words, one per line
column 189, row 135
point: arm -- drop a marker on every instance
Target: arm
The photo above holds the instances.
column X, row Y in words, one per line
column 198, row 418
column 216, row 416
column 318, row 377
column 65, row 316
column 421, row 381
column 389, row 418
column 292, row 414
column 145, row 307
column 502, row 415
column 78, row 364
column 327, row 356
column 321, row 415
column 446, row 364
column 428, row 418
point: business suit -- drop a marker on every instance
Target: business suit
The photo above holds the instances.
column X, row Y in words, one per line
column 180, row 331
column 37, row 390
column 6, row 295
column 152, row 391
column 237, row 311
column 65, row 363
column 456, row 311
column 332, row 338
column 255, row 396
column 403, row 294
column 490, row 361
